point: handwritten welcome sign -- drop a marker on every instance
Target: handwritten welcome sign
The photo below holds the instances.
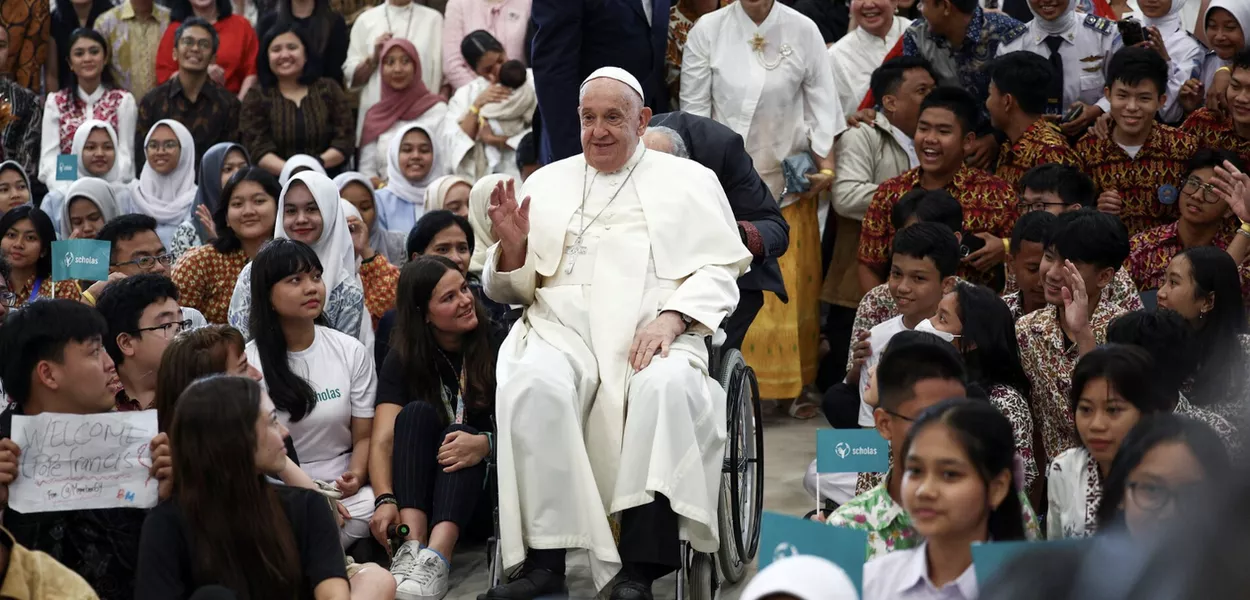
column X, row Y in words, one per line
column 73, row 462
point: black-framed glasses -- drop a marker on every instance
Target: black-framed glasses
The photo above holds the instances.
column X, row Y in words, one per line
column 1193, row 185
column 167, row 145
column 189, row 42
column 894, row 414
column 147, row 262
column 168, row 330
column 8, row 299
column 1153, row 497
column 1028, row 207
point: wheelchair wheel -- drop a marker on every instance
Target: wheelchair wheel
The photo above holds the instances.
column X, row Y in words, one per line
column 742, row 478
column 702, row 577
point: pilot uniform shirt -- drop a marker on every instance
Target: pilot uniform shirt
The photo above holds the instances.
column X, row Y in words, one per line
column 1088, row 44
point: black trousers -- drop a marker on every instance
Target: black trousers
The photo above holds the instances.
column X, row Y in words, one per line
column 749, row 304
column 649, row 546
column 419, row 480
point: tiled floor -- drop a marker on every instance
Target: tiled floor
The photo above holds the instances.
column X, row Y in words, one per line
column 789, row 446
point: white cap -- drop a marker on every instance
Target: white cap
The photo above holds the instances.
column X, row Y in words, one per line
column 804, row 577
column 616, row 73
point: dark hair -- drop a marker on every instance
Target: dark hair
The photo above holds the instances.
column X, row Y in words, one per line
column 887, row 78
column 1150, row 432
column 122, row 304
column 933, row 241
column 1209, row 158
column 1025, row 76
column 1129, row 371
column 6, row 271
column 1030, row 227
column 1132, row 65
column 264, row 73
column 964, row 6
column 321, row 21
column 1070, row 184
column 527, row 151
column 190, row 356
column 227, row 241
column 1090, row 237
column 990, row 443
column 108, row 79
column 124, row 227
column 957, row 100
column 1222, row 365
column 475, row 45
column 202, row 24
column 912, row 357
column 180, row 10
column 988, row 340
column 1164, row 335
column 213, row 447
column 38, row 332
column 43, row 227
column 431, row 224
column 928, row 206
column 277, row 260
column 1241, row 60
column 513, row 74
column 416, row 347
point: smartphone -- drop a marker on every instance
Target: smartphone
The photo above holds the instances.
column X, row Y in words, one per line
column 1073, row 114
column 969, row 244
column 1131, row 32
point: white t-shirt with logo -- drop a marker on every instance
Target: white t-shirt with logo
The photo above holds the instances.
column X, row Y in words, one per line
column 340, row 371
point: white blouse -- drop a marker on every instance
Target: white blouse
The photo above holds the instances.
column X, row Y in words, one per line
column 50, row 138
column 458, row 144
column 1073, row 495
column 854, row 58
column 780, row 98
column 421, row 25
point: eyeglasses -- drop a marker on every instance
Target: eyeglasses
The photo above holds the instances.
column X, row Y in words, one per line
column 1193, row 184
column 1027, row 207
column 1154, row 497
column 894, row 414
column 167, row 145
column 189, row 43
column 147, row 262
column 8, row 299
column 168, row 330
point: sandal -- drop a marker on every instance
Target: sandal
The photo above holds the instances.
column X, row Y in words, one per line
column 802, row 409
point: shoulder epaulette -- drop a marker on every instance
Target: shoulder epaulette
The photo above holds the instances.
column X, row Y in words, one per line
column 1099, row 24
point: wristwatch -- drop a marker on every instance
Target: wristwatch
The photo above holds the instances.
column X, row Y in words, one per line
column 686, row 320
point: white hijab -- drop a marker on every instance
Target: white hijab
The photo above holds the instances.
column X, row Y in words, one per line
column 1240, row 9
column 1062, row 24
column 115, row 174
column 479, row 201
column 365, row 335
column 804, row 577
column 412, row 192
column 96, row 190
column 334, row 247
column 436, row 194
column 168, row 198
column 297, row 162
column 1167, row 23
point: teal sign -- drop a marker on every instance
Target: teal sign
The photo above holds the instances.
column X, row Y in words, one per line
column 851, row 451
column 782, row 536
column 80, row 259
column 66, row 167
column 989, row 558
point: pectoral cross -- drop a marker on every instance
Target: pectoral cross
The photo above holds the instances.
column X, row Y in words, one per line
column 572, row 252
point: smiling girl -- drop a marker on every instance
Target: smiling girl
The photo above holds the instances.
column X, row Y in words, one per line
column 959, row 488
column 405, row 101
column 27, row 245
column 14, row 186
column 166, row 189
column 412, row 164
column 92, row 203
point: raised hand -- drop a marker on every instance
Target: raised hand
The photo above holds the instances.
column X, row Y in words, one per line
column 206, row 219
column 1076, row 311
column 509, row 221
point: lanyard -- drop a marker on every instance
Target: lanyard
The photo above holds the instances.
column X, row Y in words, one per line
column 458, row 414
column 34, row 291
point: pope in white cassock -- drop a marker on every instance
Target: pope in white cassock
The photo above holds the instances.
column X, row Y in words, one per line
column 625, row 260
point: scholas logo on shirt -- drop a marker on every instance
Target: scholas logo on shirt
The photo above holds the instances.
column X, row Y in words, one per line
column 329, row 394
column 70, row 259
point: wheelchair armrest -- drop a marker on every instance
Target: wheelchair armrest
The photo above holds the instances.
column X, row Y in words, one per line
column 718, row 338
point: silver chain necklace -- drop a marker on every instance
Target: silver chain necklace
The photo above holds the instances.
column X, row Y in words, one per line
column 578, row 248
column 407, row 28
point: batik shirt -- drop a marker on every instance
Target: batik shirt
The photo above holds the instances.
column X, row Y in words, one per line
column 1074, row 493
column 1221, row 426
column 1160, row 161
column 21, row 136
column 1214, row 132
column 1150, row 252
column 1014, row 304
column 1042, row 143
column 890, row 528
column 1048, row 358
column 205, row 278
column 989, row 205
column 1234, row 406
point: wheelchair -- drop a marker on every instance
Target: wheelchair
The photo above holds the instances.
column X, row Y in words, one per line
column 741, row 491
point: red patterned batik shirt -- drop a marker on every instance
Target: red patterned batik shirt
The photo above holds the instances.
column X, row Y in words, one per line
column 1150, row 252
column 1160, row 161
column 1041, row 144
column 989, row 205
column 1214, row 132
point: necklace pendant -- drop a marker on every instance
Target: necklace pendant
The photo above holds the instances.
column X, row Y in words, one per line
column 758, row 43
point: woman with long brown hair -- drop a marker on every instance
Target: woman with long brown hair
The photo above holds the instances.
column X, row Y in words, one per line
column 225, row 524
column 432, row 428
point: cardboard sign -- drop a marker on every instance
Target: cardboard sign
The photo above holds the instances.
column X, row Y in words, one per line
column 989, row 558
column 80, row 259
column 782, row 536
column 851, row 451
column 66, row 167
column 74, row 462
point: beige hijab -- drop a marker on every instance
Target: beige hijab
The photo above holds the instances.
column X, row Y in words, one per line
column 479, row 201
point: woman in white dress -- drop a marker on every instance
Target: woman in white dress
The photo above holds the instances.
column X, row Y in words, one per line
column 166, row 188
column 393, row 19
column 405, row 101
column 762, row 69
column 464, row 128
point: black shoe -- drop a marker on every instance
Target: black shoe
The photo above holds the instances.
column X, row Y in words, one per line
column 532, row 584
column 628, row 589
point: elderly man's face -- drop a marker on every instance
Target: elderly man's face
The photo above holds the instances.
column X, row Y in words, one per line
column 613, row 119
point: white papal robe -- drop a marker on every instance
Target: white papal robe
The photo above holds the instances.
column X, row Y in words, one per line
column 568, row 455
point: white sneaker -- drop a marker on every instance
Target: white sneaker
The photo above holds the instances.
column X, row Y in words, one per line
column 428, row 581
column 405, row 561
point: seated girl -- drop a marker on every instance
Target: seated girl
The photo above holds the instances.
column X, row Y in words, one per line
column 377, row 275
column 166, row 188
column 14, row 186
column 449, row 192
column 354, row 187
column 95, row 145
column 223, row 159
column 433, row 427
column 412, row 163
column 92, row 203
column 1112, row 388
column 26, row 243
column 959, row 488
column 483, row 231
